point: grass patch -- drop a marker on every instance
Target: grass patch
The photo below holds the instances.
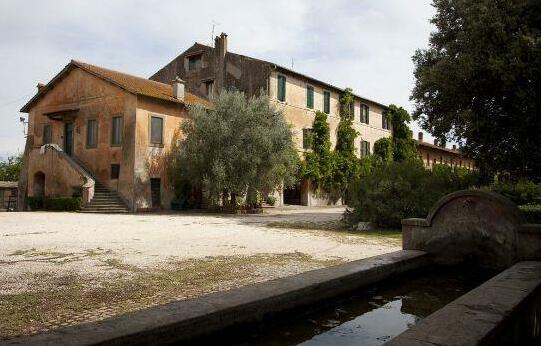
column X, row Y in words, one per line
column 338, row 226
column 74, row 299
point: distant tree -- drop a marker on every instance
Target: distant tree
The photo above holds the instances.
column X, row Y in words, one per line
column 479, row 82
column 404, row 146
column 11, row 168
column 239, row 147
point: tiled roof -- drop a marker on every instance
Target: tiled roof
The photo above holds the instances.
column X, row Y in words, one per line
column 298, row 74
column 437, row 147
column 132, row 84
column 8, row 184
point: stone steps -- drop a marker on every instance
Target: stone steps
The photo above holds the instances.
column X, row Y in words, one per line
column 105, row 201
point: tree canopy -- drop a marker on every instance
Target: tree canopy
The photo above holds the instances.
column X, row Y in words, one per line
column 10, row 168
column 478, row 83
column 240, row 145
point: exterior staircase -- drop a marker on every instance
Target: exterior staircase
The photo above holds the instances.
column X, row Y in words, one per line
column 105, row 201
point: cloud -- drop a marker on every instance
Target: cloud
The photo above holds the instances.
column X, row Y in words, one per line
column 366, row 45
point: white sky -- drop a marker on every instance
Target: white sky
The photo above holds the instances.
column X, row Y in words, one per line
column 363, row 44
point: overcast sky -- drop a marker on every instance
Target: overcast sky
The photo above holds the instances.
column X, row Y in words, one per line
column 364, row 44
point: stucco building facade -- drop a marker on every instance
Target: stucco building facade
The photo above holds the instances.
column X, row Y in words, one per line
column 439, row 154
column 208, row 70
column 94, row 131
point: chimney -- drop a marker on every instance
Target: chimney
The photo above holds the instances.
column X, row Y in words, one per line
column 435, row 141
column 454, row 146
column 220, row 50
column 40, row 85
column 178, row 88
column 220, row 45
column 420, row 136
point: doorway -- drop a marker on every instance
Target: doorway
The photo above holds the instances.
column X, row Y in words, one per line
column 292, row 195
column 39, row 184
column 68, row 138
column 155, row 187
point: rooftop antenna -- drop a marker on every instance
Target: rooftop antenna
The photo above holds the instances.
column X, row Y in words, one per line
column 23, row 121
column 214, row 23
column 292, row 63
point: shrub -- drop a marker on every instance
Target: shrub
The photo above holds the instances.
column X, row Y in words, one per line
column 532, row 213
column 55, row 203
column 389, row 192
column 271, row 200
column 35, row 203
column 521, row 192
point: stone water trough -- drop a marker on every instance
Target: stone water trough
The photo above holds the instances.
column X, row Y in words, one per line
column 479, row 228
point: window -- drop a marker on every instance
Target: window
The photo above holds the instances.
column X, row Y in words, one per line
column 194, row 63
column 116, row 131
column 352, row 110
column 209, row 88
column 281, row 94
column 91, row 133
column 309, row 96
column 365, row 148
column 307, row 138
column 327, row 102
column 47, row 134
column 156, row 130
column 386, row 123
column 365, row 117
column 115, row 171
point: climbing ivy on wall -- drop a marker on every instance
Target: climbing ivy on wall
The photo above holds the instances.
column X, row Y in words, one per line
column 346, row 165
column 318, row 163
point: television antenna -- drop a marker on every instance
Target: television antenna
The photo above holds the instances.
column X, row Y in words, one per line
column 214, row 24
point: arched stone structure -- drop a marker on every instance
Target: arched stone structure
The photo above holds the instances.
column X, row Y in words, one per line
column 39, row 184
column 472, row 225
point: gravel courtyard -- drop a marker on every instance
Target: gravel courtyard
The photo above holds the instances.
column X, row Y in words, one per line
column 58, row 269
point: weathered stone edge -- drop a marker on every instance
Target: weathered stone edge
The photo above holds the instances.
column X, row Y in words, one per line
column 482, row 316
column 188, row 319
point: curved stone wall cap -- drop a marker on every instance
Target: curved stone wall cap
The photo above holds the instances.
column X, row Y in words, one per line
column 531, row 228
column 488, row 195
column 415, row 222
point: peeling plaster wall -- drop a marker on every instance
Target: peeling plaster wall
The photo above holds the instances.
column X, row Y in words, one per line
column 151, row 161
column 96, row 99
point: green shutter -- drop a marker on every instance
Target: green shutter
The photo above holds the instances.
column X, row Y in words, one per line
column 326, row 102
column 309, row 96
column 281, row 88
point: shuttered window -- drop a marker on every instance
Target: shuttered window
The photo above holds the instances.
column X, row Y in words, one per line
column 91, row 133
column 327, row 102
column 281, row 94
column 116, row 130
column 386, row 123
column 47, row 134
column 365, row 148
column 309, row 96
column 365, row 114
column 307, row 138
column 156, row 130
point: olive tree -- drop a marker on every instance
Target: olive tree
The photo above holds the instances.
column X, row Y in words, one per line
column 237, row 148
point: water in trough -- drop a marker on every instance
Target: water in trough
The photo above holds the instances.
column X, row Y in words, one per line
column 370, row 316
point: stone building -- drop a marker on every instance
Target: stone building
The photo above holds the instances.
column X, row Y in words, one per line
column 8, row 195
column 103, row 135
column 207, row 70
column 439, row 154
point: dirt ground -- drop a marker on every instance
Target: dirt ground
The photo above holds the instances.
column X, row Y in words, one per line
column 58, row 269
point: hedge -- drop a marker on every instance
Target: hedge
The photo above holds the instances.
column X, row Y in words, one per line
column 55, row 203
